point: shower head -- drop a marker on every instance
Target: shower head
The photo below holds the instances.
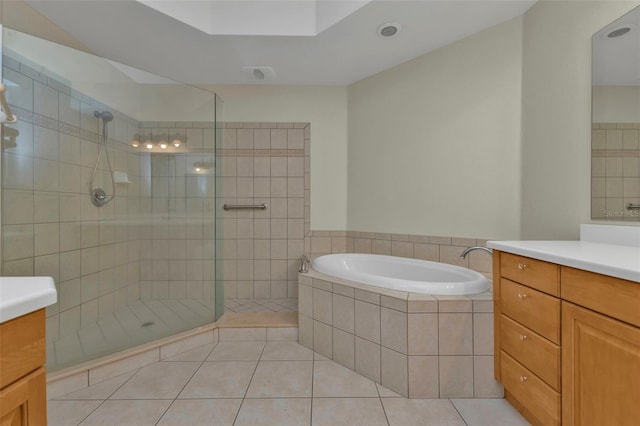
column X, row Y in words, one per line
column 107, row 116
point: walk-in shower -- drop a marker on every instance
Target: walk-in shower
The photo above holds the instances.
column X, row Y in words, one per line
column 95, row 197
column 98, row 195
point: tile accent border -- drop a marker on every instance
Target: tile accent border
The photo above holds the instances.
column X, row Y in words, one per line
column 419, row 346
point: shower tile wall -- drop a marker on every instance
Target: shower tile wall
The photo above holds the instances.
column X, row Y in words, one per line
column 264, row 163
column 177, row 244
column 615, row 171
column 49, row 225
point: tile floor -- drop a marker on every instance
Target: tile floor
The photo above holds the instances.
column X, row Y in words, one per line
column 140, row 322
column 261, row 383
column 260, row 305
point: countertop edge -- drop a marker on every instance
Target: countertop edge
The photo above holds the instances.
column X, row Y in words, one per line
column 575, row 261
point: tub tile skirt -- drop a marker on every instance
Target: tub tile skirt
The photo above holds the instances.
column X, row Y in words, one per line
column 420, row 346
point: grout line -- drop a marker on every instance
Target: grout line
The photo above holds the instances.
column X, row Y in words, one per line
column 457, row 411
column 186, row 383
column 250, row 381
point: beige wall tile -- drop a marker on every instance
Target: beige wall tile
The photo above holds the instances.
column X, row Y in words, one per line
column 456, row 376
column 323, row 339
column 361, row 245
column 393, row 330
column 344, row 313
column 402, row 249
column 381, row 247
column 482, row 334
column 305, row 300
column 455, row 334
column 367, row 321
column 393, row 371
column 305, row 331
column 423, row 377
column 423, row 334
column 344, row 348
column 367, row 296
column 368, row 359
column 322, row 306
column 451, row 255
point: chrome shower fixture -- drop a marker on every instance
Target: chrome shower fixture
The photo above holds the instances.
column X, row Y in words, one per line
column 98, row 195
column 106, row 116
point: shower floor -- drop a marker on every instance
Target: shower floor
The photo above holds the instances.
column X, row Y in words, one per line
column 261, row 305
column 140, row 322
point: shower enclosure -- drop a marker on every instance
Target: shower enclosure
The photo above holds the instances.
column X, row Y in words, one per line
column 108, row 186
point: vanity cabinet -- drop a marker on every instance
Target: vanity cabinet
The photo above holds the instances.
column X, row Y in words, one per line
column 567, row 342
column 22, row 372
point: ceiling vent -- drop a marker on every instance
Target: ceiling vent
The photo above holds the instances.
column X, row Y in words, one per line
column 260, row 73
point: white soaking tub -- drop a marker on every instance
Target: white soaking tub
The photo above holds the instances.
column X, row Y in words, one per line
column 402, row 274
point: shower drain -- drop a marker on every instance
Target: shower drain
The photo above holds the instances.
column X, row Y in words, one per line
column 147, row 324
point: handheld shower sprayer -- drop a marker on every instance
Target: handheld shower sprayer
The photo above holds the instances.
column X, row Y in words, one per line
column 98, row 195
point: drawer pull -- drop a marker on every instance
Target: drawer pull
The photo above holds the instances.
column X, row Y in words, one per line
column 523, row 379
column 522, row 295
column 522, row 266
column 523, row 337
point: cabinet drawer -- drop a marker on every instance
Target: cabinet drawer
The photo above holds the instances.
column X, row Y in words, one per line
column 534, row 273
column 534, row 352
column 534, row 394
column 22, row 346
column 533, row 309
column 611, row 296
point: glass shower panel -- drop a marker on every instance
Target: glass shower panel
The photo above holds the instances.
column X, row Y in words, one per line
column 135, row 262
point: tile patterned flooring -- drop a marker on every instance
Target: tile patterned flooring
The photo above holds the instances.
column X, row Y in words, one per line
column 261, row 305
column 261, row 383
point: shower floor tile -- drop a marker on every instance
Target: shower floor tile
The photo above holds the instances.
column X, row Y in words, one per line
column 311, row 391
column 140, row 322
column 261, row 305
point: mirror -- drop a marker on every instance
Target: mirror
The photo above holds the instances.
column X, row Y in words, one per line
column 615, row 131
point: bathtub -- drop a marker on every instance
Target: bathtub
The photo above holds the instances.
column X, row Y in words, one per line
column 402, row 274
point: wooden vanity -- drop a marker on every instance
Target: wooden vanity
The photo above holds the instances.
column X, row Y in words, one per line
column 567, row 342
column 22, row 374
column 23, row 399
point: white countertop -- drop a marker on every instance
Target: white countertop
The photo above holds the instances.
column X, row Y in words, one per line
column 608, row 259
column 22, row 295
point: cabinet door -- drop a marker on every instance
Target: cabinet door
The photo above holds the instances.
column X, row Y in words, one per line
column 24, row 402
column 600, row 369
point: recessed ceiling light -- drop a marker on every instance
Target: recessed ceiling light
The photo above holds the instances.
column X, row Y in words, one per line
column 619, row 32
column 389, row 29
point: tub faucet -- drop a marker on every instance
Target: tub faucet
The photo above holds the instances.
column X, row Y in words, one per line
column 470, row 249
column 304, row 264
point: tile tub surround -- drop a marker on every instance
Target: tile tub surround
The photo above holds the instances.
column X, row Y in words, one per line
column 420, row 346
column 615, row 171
column 433, row 248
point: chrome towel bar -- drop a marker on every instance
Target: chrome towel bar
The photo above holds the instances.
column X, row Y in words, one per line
column 633, row 206
column 244, row 206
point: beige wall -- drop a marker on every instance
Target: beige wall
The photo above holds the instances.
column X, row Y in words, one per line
column 434, row 144
column 616, row 104
column 326, row 109
column 556, row 111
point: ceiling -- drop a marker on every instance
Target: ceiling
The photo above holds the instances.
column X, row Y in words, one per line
column 616, row 61
column 341, row 53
